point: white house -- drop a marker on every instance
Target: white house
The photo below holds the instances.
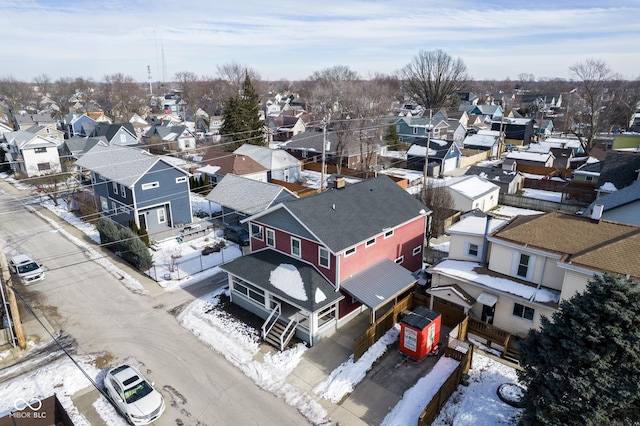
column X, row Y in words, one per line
column 472, row 192
column 31, row 154
column 530, row 264
column 280, row 164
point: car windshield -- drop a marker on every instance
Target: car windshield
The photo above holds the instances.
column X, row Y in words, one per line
column 29, row 267
column 136, row 392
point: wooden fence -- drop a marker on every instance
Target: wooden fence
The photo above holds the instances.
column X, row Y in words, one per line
column 385, row 322
column 453, row 350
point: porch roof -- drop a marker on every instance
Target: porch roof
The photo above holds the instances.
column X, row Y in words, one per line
column 377, row 285
column 276, row 273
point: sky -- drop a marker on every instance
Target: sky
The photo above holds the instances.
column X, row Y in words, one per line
column 291, row 40
column 476, row 404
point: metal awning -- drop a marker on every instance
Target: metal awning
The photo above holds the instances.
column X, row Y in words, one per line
column 454, row 294
column 487, row 299
column 379, row 284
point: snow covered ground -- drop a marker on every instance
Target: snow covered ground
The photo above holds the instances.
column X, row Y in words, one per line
column 476, row 404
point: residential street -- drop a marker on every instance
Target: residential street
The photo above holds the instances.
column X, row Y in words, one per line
column 108, row 320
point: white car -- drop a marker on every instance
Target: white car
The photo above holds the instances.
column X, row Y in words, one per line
column 133, row 395
column 26, row 268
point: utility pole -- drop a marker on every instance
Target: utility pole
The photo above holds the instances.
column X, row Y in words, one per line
column 324, row 149
column 425, row 170
column 13, row 304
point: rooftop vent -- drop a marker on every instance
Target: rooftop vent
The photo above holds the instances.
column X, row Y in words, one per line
column 596, row 213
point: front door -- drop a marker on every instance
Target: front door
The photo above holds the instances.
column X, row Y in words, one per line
column 487, row 313
column 143, row 221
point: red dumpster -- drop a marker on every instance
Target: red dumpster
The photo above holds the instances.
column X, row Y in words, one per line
column 420, row 332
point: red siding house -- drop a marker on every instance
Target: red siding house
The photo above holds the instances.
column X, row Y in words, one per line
column 317, row 262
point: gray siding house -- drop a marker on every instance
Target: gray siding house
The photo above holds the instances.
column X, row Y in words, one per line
column 132, row 185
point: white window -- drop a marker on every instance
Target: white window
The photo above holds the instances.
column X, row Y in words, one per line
column 271, row 238
column 123, row 191
column 350, row 251
column 181, row 179
column 295, row 247
column 326, row 315
column 371, row 242
column 150, row 185
column 400, row 259
column 115, row 187
column 253, row 293
column 417, row 250
column 323, row 257
column 389, row 233
column 44, row 167
column 473, row 250
column 162, row 217
column 415, row 130
column 588, row 178
column 104, row 205
column 40, row 150
column 256, row 232
column 123, row 138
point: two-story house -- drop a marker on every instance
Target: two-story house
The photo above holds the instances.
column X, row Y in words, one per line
column 133, row 185
column 518, row 272
column 31, row 154
column 317, row 262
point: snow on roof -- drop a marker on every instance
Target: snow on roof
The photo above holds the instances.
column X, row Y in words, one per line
column 465, row 271
column 320, row 296
column 287, row 279
column 420, row 151
column 471, row 186
column 209, row 170
column 474, row 225
column 528, row 155
column 608, row 186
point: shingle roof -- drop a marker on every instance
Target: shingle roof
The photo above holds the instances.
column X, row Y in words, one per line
column 271, row 159
column 119, row 164
column 619, row 169
column 618, row 198
column 232, row 163
column 341, row 218
column 492, row 174
column 248, row 196
column 257, row 267
column 577, row 238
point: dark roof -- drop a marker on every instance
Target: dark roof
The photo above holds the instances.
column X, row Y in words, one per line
column 619, row 169
column 312, row 141
column 492, row 174
column 618, row 198
column 420, row 317
column 342, row 218
column 109, row 130
column 438, row 148
column 257, row 269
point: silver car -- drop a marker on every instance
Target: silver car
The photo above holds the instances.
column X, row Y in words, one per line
column 26, row 268
column 133, row 395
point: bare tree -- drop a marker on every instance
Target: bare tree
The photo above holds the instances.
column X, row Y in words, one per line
column 15, row 93
column 439, row 200
column 120, row 96
column 433, row 78
column 43, row 85
column 592, row 74
column 235, row 73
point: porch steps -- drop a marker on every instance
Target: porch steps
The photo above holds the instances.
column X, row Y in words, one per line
column 273, row 338
column 512, row 354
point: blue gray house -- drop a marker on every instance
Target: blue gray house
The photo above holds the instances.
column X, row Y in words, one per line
column 132, row 185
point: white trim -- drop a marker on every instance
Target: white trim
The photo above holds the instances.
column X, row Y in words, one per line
column 150, row 185
column 400, row 260
column 328, row 265
column 369, row 242
column 293, row 239
column 162, row 212
column 272, row 233
column 417, row 250
column 388, row 234
column 258, row 235
column 181, row 179
column 349, row 252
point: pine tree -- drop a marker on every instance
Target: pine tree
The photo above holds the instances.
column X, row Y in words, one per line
column 241, row 118
column 392, row 138
column 582, row 367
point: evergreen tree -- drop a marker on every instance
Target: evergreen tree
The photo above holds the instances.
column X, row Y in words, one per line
column 241, row 118
column 392, row 138
column 582, row 366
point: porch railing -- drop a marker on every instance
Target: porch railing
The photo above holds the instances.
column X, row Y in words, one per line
column 289, row 331
column 271, row 319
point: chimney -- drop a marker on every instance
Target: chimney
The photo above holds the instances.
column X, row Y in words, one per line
column 596, row 213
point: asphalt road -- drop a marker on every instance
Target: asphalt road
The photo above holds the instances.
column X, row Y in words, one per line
column 106, row 319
